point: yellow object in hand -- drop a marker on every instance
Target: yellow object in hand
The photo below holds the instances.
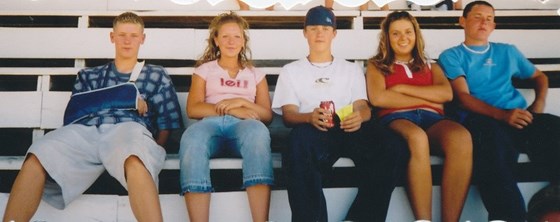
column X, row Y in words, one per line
column 345, row 111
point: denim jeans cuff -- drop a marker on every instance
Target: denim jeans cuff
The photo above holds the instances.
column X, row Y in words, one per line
column 258, row 180
column 196, row 189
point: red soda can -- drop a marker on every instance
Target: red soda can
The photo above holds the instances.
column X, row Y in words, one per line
column 329, row 106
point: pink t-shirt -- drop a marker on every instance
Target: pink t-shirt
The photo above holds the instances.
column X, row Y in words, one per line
column 220, row 86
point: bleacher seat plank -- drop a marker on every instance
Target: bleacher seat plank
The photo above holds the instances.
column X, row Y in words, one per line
column 522, row 4
column 20, row 109
column 53, row 109
column 552, row 99
column 91, row 43
column 189, row 43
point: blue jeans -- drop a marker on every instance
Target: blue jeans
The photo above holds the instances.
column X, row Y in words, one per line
column 423, row 118
column 542, row 143
column 221, row 136
column 311, row 154
column 494, row 160
column 382, row 165
column 496, row 150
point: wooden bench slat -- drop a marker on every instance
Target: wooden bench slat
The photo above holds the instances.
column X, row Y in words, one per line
column 90, row 43
column 290, row 44
column 20, row 109
column 172, row 162
column 180, row 71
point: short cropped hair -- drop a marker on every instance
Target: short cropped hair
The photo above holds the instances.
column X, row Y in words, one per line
column 128, row 17
column 469, row 6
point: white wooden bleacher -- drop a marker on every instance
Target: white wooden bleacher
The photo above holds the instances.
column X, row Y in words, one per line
column 41, row 109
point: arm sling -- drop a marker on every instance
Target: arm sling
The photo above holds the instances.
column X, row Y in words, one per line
column 122, row 96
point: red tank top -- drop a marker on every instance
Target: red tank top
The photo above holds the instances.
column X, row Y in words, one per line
column 399, row 76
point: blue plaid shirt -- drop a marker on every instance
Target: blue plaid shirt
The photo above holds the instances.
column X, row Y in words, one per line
column 155, row 87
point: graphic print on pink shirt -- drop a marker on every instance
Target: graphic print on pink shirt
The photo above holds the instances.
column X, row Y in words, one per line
column 234, row 83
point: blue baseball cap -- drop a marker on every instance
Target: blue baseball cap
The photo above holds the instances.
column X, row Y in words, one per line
column 320, row 15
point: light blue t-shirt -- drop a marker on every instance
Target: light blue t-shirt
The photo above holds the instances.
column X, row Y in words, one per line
column 489, row 74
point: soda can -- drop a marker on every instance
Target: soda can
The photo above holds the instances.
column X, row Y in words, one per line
column 329, row 106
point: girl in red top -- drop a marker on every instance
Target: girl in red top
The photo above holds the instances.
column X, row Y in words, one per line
column 410, row 93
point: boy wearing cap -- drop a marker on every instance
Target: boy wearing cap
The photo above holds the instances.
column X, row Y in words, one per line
column 318, row 139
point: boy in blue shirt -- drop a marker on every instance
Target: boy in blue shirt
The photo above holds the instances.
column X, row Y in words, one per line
column 497, row 115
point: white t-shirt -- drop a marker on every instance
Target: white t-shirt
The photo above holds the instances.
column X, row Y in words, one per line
column 305, row 85
column 220, row 86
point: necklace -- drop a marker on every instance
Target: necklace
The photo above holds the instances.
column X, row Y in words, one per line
column 474, row 51
column 321, row 66
column 403, row 62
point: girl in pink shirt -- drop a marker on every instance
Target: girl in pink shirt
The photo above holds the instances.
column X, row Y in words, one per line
column 231, row 99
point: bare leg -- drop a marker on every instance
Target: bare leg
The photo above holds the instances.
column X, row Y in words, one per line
column 242, row 5
column 26, row 191
column 456, row 144
column 259, row 201
column 142, row 191
column 198, row 206
column 419, row 168
column 329, row 4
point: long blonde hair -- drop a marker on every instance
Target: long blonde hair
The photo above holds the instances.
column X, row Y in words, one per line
column 212, row 52
column 386, row 56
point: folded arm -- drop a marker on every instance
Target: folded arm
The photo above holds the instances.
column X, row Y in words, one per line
column 380, row 96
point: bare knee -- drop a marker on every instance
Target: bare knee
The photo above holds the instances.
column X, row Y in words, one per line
column 32, row 165
column 418, row 144
column 133, row 163
column 458, row 144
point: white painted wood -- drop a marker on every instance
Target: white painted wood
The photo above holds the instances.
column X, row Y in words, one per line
column 37, row 71
column 54, row 71
column 204, row 5
column 87, row 208
column 399, row 209
column 53, row 109
column 265, row 44
column 276, row 13
column 175, row 71
column 107, row 207
column 227, row 5
column 201, row 5
column 11, row 162
column 552, row 99
column 172, row 162
column 522, row 4
column 90, row 43
column 20, row 109
column 234, row 206
column 45, row 5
